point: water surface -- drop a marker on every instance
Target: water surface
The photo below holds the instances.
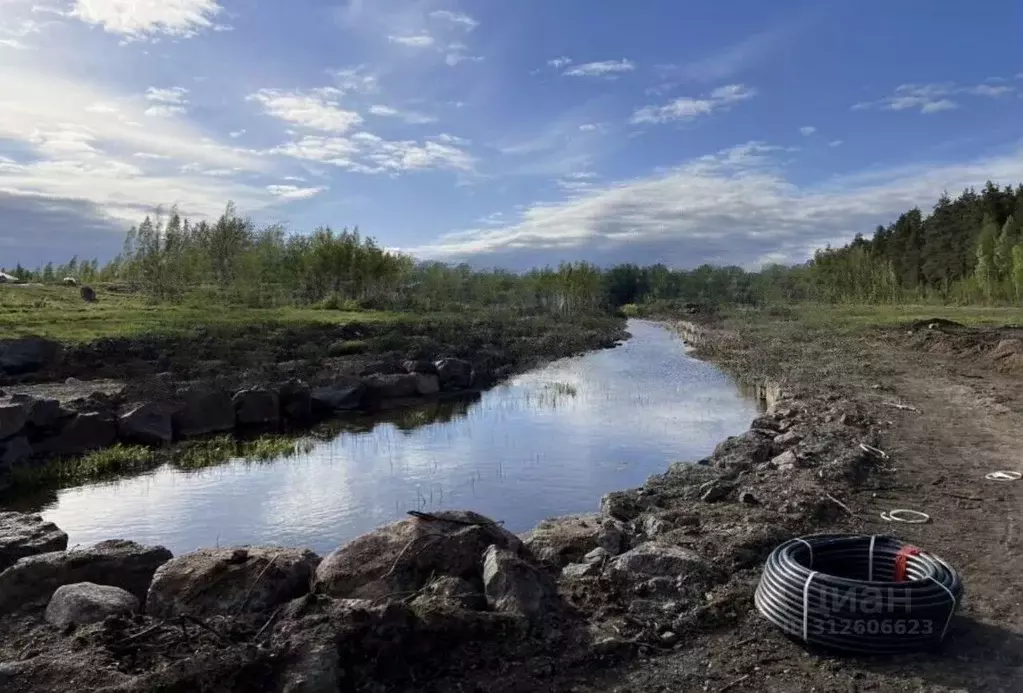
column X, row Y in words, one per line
column 548, row 442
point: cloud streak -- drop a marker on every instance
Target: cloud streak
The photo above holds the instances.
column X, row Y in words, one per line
column 604, row 68
column 687, row 108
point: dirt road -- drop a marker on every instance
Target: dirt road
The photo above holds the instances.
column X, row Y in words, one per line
column 957, row 419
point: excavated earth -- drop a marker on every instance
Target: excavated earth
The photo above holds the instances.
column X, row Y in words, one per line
column 651, row 593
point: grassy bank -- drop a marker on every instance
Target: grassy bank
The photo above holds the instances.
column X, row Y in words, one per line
column 58, row 312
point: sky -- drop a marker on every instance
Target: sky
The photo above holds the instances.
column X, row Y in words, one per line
column 503, row 133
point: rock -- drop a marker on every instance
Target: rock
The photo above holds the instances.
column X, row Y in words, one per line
column 765, row 422
column 393, row 386
column 717, row 490
column 454, row 374
column 654, row 525
column 22, row 534
column 404, row 555
column 653, row 560
column 427, row 384
column 86, row 602
column 454, row 590
column 558, row 541
column 39, row 412
column 621, row 505
column 257, row 407
column 28, row 355
column 748, row 498
column 203, row 410
column 743, row 452
column 13, row 418
column 344, row 393
column 787, row 440
column 597, row 555
column 229, row 581
column 786, row 461
column 425, row 367
column 15, row 452
column 296, row 401
column 117, row 562
column 574, row 571
column 88, row 294
column 150, row 423
column 81, row 433
column 514, row 586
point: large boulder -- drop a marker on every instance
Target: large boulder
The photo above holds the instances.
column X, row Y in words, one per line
column 28, row 354
column 150, row 423
column 81, row 433
column 456, row 591
column 514, row 586
column 392, row 386
column 745, row 451
column 653, row 560
column 14, row 452
column 22, row 534
column 344, row 393
column 419, row 366
column 296, row 401
column 13, row 418
column 454, row 374
column 86, row 602
column 39, row 412
column 230, row 581
column 404, row 555
column 203, row 410
column 558, row 541
column 117, row 562
column 427, row 384
column 257, row 407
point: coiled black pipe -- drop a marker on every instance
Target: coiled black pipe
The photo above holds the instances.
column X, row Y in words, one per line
column 842, row 592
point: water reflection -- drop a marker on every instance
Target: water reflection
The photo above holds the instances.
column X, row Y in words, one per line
column 547, row 442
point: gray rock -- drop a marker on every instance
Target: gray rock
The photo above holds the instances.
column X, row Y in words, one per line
column 514, row 586
column 80, row 434
column 454, row 374
column 15, row 452
column 653, row 560
column 40, row 412
column 558, row 541
column 344, row 393
column 717, row 490
column 597, row 556
column 118, row 563
column 787, row 439
column 786, row 461
column 203, row 410
column 748, row 498
column 28, row 354
column 621, row 505
column 296, row 401
column 257, row 407
column 612, row 536
column 654, row 525
column 391, row 386
column 453, row 590
column 150, row 423
column 427, row 384
column 403, row 556
column 574, row 571
column 22, row 534
column 743, row 452
column 13, row 418
column 425, row 367
column 230, row 581
column 86, row 602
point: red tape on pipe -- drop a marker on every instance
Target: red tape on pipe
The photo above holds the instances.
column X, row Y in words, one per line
column 900, row 561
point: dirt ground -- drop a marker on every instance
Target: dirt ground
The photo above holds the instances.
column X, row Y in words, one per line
column 959, row 416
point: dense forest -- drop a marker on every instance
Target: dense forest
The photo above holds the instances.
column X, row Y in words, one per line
column 966, row 250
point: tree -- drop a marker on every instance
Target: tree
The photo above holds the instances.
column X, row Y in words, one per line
column 986, row 271
column 1017, row 270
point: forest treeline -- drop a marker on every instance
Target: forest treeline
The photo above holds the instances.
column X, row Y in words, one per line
column 967, row 249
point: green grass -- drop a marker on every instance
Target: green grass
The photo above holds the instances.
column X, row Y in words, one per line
column 58, row 312
column 851, row 317
column 215, row 451
column 113, row 461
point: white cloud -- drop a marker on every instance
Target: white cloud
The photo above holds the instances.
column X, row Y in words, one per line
column 456, row 53
column 807, row 130
column 835, row 143
column 591, row 127
column 604, row 68
column 559, row 63
column 410, row 117
column 140, row 19
column 413, row 40
column 364, row 152
column 170, row 95
column 356, row 79
column 933, row 97
column 317, row 109
column 686, row 108
column 451, row 139
column 236, row 134
column 459, row 18
column 734, row 206
column 293, row 192
column 150, row 155
column 165, row 111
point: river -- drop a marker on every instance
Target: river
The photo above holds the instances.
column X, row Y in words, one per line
column 548, row 442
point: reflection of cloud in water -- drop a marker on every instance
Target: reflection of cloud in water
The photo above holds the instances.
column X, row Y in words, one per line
column 546, row 442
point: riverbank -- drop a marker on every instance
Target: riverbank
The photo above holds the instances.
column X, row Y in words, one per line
column 65, row 400
column 653, row 592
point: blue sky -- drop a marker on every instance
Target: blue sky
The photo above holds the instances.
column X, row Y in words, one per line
column 503, row 133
